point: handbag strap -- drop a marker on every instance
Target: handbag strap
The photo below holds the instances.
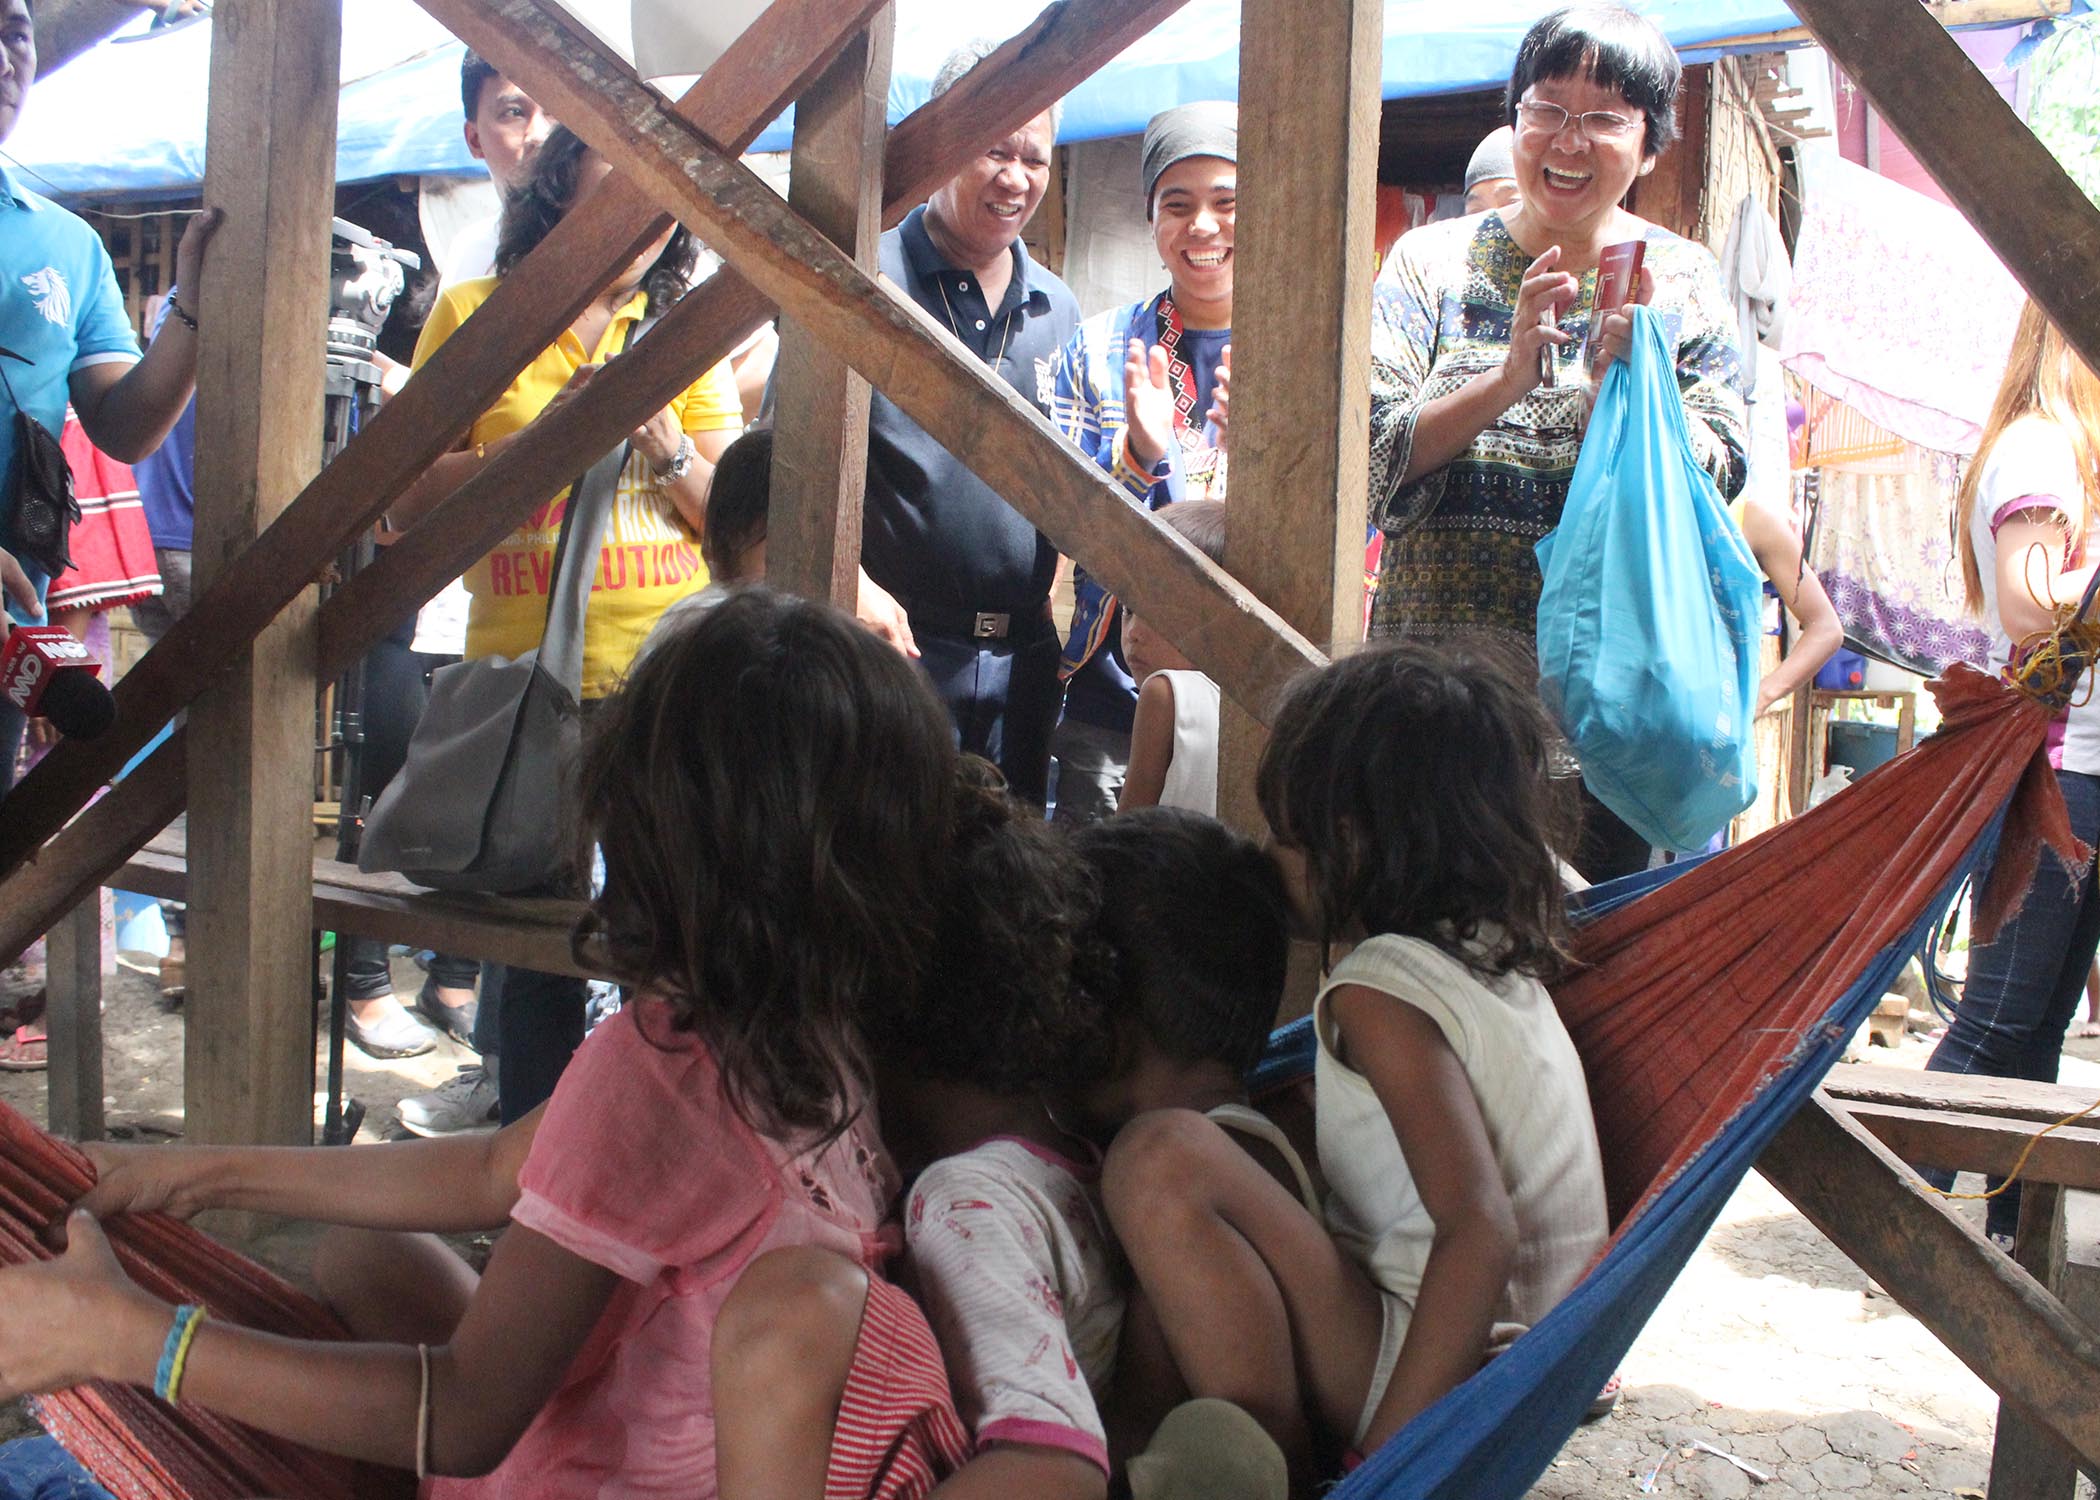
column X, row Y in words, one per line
column 576, row 552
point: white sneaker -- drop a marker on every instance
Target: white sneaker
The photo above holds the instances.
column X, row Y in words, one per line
column 462, row 1105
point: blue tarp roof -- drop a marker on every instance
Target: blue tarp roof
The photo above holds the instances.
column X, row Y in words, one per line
column 400, row 101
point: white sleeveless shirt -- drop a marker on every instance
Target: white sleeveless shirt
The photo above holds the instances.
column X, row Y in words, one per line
column 1529, row 1084
column 1192, row 775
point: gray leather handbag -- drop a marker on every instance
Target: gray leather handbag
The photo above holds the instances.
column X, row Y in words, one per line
column 482, row 803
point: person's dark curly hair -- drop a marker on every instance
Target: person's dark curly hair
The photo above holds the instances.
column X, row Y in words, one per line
column 1013, row 998
column 531, row 212
column 1415, row 780
column 1196, row 919
column 773, row 790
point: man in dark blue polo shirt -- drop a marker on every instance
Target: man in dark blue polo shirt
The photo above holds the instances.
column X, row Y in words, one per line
column 948, row 568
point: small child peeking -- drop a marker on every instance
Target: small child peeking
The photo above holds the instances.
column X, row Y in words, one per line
column 1409, row 793
column 1174, row 736
column 1008, row 1247
column 1197, row 921
column 734, row 543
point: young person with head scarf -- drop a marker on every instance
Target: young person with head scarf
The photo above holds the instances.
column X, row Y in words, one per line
column 1137, row 388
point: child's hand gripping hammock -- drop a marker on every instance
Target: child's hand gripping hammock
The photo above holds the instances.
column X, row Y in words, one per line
column 137, row 1446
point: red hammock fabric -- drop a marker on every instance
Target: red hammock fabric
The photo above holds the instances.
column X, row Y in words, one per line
column 1779, row 929
column 137, row 1446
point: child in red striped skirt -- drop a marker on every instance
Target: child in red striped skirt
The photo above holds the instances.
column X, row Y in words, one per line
column 1008, row 1246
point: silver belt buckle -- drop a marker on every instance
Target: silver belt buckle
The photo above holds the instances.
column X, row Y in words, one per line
column 990, row 627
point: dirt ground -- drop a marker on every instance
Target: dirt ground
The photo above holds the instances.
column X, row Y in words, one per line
column 1773, row 1365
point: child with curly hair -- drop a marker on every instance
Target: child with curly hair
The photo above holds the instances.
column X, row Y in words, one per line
column 774, row 792
column 1008, row 1247
column 1408, row 788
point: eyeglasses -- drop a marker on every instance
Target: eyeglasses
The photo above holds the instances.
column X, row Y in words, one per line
column 1598, row 126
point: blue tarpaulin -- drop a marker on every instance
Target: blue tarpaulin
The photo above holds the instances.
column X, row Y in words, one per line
column 128, row 116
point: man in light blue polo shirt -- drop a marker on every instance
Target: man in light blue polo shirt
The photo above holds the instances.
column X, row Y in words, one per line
column 64, row 334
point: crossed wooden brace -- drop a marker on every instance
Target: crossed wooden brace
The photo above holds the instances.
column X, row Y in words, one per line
column 766, row 69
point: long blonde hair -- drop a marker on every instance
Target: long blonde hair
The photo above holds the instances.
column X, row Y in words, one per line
column 2044, row 376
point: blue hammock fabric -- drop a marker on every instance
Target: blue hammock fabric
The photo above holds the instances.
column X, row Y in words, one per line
column 1744, row 1024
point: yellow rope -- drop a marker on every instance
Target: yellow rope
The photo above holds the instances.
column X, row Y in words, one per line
column 2040, row 668
column 2020, row 1165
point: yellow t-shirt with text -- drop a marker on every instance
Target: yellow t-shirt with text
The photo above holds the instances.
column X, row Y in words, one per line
column 649, row 559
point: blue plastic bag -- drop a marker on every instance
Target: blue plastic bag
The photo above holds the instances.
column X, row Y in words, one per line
column 1648, row 619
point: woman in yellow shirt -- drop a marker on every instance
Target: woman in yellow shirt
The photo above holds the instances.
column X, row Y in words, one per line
column 650, row 556
column 649, row 559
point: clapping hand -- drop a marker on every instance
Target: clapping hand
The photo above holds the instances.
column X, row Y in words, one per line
column 1148, row 405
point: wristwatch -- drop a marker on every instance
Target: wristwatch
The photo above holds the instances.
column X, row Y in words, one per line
column 681, row 463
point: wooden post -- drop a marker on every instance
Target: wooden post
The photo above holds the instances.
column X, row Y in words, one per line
column 2027, row 1462
column 270, row 144
column 73, row 1021
column 1987, row 1311
column 1674, row 193
column 820, row 459
column 1301, row 332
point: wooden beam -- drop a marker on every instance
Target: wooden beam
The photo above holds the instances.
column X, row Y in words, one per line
column 820, row 416
column 1017, row 82
column 1020, row 79
column 1003, row 439
column 524, row 932
column 1301, row 332
column 1984, row 1143
column 759, row 76
column 93, row 846
column 1956, row 1093
column 1672, row 194
column 73, row 1022
column 270, row 142
column 1986, row 1310
column 67, row 28
column 2004, row 180
column 1949, row 13
column 2027, row 1462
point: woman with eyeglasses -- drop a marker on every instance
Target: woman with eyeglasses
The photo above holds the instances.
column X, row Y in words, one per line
column 1471, row 447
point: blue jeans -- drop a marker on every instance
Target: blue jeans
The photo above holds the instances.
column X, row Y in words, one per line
column 1003, row 696
column 396, row 690
column 2024, row 987
column 36, row 1468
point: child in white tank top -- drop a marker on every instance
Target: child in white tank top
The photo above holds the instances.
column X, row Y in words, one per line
column 1410, row 794
column 1174, row 736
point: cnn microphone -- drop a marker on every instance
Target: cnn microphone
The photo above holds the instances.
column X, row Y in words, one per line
column 45, row 673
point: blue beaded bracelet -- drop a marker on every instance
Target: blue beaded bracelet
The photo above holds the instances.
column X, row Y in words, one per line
column 187, row 1317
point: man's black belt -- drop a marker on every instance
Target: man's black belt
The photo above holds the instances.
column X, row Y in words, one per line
column 970, row 624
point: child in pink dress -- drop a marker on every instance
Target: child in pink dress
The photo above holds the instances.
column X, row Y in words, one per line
column 773, row 791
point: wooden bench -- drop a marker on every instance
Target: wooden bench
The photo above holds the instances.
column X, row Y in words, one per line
column 522, row 932
column 1975, row 1124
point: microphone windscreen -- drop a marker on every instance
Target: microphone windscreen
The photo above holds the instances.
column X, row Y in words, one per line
column 78, row 705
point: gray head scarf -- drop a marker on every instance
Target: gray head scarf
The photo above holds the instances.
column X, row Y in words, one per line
column 1494, row 157
column 1208, row 128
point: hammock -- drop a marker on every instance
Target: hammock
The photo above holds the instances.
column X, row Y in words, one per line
column 1714, row 997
